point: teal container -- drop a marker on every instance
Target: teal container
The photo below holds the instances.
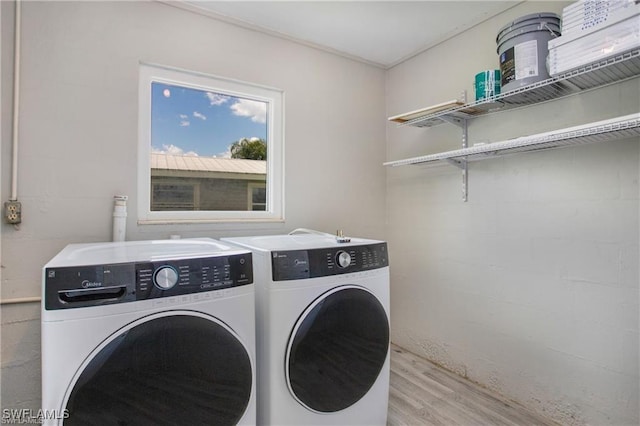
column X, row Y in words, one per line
column 487, row 84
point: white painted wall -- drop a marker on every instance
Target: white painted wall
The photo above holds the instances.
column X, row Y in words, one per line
column 79, row 131
column 531, row 287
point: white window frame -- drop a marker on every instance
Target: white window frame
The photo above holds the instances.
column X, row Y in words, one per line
column 275, row 145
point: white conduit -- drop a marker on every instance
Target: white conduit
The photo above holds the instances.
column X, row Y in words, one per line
column 18, row 300
column 119, row 217
column 14, row 149
column 16, row 102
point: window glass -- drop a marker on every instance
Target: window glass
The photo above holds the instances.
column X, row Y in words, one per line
column 257, row 196
column 173, row 196
column 210, row 148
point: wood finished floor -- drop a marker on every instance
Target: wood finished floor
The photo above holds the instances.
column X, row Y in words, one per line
column 422, row 393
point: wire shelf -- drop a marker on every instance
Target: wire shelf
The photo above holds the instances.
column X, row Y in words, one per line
column 612, row 70
column 601, row 131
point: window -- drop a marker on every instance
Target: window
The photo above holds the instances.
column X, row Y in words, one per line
column 174, row 196
column 210, row 149
column 257, row 196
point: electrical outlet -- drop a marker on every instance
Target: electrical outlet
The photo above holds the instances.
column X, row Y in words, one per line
column 13, row 212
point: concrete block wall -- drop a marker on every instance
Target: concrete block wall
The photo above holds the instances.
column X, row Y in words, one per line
column 530, row 288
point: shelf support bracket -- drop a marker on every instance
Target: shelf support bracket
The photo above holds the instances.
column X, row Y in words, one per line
column 457, row 163
column 462, row 164
column 460, row 122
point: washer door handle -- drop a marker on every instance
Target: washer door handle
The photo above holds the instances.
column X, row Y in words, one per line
column 86, row 295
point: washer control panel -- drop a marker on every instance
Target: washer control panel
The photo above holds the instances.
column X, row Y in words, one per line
column 313, row 263
column 81, row 286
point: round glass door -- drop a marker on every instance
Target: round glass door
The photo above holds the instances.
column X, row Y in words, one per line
column 179, row 368
column 337, row 349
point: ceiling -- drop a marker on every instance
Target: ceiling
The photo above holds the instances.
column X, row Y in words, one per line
column 381, row 33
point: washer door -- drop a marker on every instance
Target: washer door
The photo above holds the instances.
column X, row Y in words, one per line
column 337, row 349
column 172, row 368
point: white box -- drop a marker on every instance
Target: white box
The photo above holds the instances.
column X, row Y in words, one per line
column 596, row 46
column 585, row 17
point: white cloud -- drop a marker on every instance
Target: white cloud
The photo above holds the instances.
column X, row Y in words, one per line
column 173, row 150
column 248, row 108
column 199, row 115
column 216, row 98
column 184, row 120
column 226, row 154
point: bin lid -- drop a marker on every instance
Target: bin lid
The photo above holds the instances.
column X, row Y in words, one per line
column 551, row 19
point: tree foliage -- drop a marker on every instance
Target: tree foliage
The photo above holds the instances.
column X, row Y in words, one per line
column 250, row 149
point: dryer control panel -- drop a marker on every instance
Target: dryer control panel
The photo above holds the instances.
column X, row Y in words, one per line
column 322, row 262
column 93, row 285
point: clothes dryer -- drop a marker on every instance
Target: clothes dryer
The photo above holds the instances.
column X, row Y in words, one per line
column 149, row 333
column 322, row 312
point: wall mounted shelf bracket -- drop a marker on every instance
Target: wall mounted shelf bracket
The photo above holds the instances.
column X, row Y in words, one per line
column 461, row 163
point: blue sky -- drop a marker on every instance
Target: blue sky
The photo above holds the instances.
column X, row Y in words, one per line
column 190, row 121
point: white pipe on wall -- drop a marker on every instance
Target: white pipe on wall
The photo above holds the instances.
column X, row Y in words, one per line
column 18, row 300
column 119, row 217
column 16, row 102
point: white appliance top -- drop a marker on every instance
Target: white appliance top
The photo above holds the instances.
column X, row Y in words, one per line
column 141, row 251
column 295, row 242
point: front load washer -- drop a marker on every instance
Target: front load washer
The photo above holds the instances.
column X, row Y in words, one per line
column 322, row 329
column 149, row 333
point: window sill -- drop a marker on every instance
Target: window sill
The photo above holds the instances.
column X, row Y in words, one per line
column 208, row 221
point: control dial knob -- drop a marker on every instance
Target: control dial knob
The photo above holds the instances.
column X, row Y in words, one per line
column 165, row 277
column 343, row 259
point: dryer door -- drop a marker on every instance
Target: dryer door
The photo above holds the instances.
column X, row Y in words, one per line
column 337, row 349
column 172, row 368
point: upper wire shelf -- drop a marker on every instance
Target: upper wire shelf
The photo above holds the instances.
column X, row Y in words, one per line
column 612, row 70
